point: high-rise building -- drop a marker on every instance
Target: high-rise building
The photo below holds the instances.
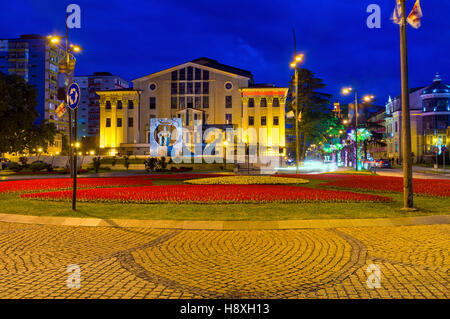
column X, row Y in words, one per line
column 37, row 61
column 89, row 107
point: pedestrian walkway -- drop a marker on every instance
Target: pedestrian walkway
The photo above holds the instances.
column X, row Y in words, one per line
column 55, row 261
column 226, row 225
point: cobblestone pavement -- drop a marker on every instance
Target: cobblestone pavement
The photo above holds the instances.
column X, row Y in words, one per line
column 158, row 263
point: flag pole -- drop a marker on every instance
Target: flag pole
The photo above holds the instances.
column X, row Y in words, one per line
column 297, row 146
column 406, row 130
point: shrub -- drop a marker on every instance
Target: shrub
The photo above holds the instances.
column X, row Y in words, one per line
column 16, row 167
column 96, row 163
column 23, row 161
column 114, row 161
column 150, row 164
column 36, row 167
column 163, row 163
column 126, row 162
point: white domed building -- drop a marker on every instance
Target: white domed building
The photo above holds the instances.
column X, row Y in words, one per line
column 430, row 122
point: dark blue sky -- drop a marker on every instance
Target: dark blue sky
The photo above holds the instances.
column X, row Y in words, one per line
column 139, row 37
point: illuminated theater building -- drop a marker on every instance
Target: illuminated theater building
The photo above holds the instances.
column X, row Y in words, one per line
column 218, row 95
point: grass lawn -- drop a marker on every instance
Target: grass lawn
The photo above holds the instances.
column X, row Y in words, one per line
column 13, row 204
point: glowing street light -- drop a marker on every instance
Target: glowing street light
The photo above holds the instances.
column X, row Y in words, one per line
column 75, row 48
column 297, row 59
column 368, row 98
column 347, row 90
column 55, row 39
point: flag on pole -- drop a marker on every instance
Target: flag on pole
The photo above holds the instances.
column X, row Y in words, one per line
column 398, row 14
column 415, row 15
column 60, row 110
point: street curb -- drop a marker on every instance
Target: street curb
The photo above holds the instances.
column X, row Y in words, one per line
column 226, row 225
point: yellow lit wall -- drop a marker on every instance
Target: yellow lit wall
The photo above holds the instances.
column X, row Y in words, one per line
column 111, row 138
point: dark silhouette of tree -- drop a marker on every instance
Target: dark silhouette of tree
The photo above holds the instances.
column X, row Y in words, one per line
column 18, row 130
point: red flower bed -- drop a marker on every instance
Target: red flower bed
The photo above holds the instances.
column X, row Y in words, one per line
column 435, row 187
column 181, row 176
column 60, row 183
column 211, row 193
column 324, row 177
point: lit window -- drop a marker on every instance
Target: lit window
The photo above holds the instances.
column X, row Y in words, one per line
column 205, row 88
column 190, row 102
column 206, row 102
column 228, row 118
column 189, row 89
column 182, row 100
column 183, row 74
column 152, row 102
column 228, row 102
column 182, row 87
column 276, row 102
column 190, row 70
column 263, row 102
column 198, row 87
column 263, row 121
column 198, row 74
column 275, row 121
column 174, row 88
column 173, row 103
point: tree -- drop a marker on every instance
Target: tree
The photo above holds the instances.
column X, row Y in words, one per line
column 18, row 114
column 313, row 106
column 126, row 162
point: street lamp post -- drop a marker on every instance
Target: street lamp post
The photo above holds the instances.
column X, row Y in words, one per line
column 298, row 59
column 73, row 118
column 347, row 91
column 366, row 98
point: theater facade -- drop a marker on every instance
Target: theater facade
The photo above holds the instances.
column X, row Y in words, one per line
column 200, row 91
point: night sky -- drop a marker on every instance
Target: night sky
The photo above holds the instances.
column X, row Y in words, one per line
column 136, row 38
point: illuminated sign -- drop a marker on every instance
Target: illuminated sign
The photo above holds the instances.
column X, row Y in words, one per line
column 166, row 136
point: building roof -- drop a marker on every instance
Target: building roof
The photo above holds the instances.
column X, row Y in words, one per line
column 118, row 90
column 437, row 86
column 209, row 63
column 223, row 67
column 398, row 97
